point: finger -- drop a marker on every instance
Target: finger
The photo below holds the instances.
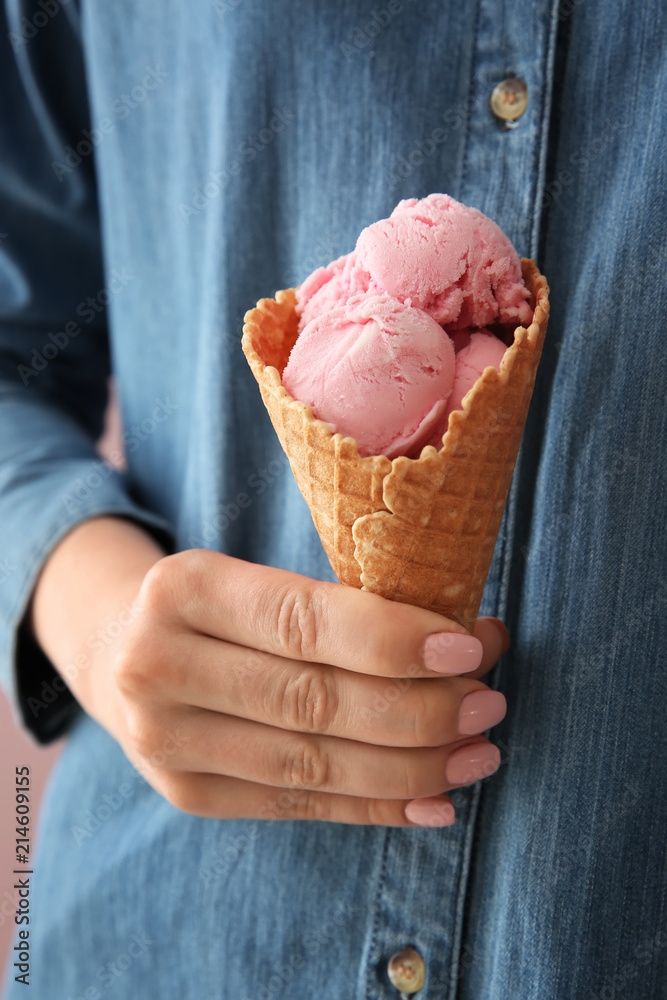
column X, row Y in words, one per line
column 238, row 748
column 320, row 699
column 219, row 797
column 495, row 640
column 299, row 618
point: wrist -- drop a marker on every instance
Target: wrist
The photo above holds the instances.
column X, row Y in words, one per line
column 82, row 603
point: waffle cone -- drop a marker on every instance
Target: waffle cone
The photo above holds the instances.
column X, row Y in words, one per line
column 420, row 531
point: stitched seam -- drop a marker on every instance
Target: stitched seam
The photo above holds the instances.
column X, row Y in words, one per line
column 561, row 47
column 505, row 555
column 370, row 992
column 462, row 877
column 542, row 149
column 471, row 92
column 507, row 560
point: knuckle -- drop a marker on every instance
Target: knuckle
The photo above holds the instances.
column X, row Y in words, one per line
column 173, row 673
column 383, row 638
column 298, row 616
column 308, row 701
column 425, row 717
column 172, row 581
column 182, row 793
column 385, row 812
column 189, row 566
column 158, row 583
column 135, row 668
column 415, row 777
column 310, row 805
column 141, row 733
column 122, row 668
column 306, row 765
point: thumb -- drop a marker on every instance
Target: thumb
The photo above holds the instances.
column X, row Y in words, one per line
column 495, row 640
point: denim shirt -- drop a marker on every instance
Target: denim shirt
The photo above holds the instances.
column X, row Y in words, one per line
column 163, row 166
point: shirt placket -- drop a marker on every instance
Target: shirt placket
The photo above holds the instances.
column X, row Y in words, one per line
column 416, row 935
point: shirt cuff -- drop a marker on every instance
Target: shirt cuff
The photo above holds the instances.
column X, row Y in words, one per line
column 42, row 702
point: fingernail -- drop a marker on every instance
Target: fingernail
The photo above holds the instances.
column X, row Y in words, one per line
column 430, row 812
column 472, row 763
column 481, row 710
column 452, row 653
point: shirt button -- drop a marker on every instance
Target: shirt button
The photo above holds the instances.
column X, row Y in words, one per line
column 509, row 100
column 406, row 970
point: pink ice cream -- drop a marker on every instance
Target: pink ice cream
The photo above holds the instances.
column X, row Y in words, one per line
column 378, row 371
column 326, row 288
column 482, row 351
column 378, row 327
column 448, row 259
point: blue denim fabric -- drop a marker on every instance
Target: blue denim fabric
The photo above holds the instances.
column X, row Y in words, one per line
column 232, row 147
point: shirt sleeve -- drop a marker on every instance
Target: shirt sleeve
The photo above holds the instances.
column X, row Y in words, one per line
column 54, row 354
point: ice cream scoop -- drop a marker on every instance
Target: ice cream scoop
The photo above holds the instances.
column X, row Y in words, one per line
column 376, row 370
column 448, row 259
column 482, row 351
column 325, row 289
column 475, row 350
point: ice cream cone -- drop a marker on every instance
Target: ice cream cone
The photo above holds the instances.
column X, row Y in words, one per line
column 420, row 531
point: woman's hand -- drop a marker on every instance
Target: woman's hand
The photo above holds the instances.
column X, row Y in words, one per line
column 240, row 690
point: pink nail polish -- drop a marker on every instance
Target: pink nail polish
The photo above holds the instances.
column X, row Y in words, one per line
column 472, row 763
column 430, row 812
column 498, row 627
column 452, row 653
column 480, row 710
